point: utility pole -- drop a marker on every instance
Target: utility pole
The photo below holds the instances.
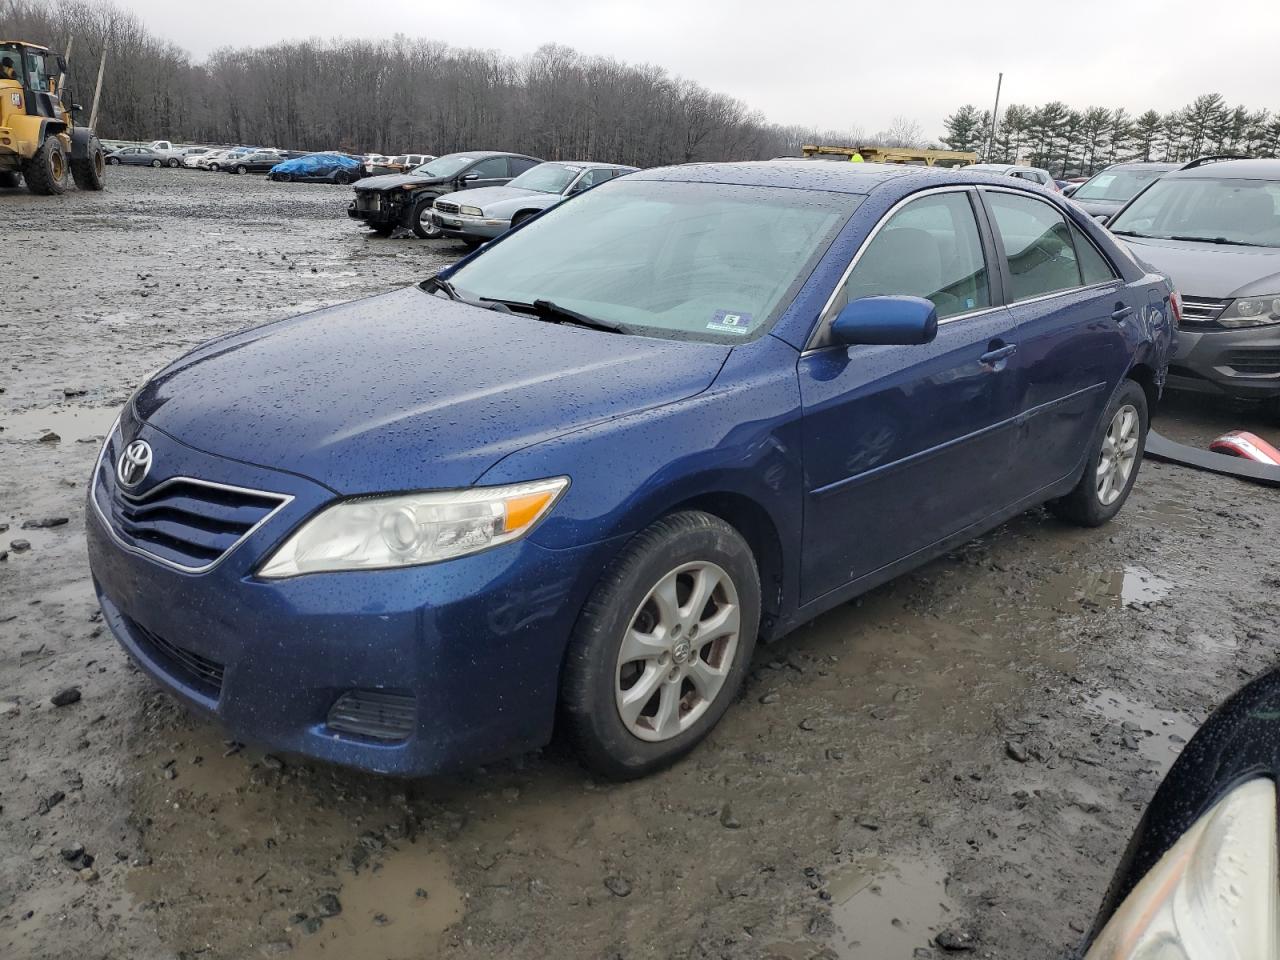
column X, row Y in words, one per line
column 93, row 111
column 995, row 113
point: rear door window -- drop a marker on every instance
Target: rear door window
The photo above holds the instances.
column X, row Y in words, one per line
column 1037, row 245
column 931, row 249
column 494, row 168
column 1094, row 267
column 520, row 164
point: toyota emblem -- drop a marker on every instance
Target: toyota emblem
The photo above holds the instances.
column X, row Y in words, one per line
column 134, row 463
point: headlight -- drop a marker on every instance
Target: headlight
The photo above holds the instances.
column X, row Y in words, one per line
column 471, row 211
column 1212, row 896
column 1252, row 312
column 373, row 533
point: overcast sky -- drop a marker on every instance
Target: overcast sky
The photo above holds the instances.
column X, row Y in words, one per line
column 826, row 64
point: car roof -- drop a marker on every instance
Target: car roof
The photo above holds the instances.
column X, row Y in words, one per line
column 1230, row 170
column 1141, row 165
column 862, row 178
column 590, row 163
column 481, row 154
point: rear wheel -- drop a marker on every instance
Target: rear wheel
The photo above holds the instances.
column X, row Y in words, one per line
column 423, row 225
column 662, row 645
column 173, row 162
column 215, row 167
column 1116, row 455
column 241, row 168
column 88, row 171
column 114, row 161
column 46, row 172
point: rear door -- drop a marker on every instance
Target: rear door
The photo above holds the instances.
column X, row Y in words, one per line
column 1069, row 304
column 907, row 445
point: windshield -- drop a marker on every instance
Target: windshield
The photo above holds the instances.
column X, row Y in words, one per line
column 1245, row 212
column 701, row 261
column 1119, row 185
column 443, row 166
column 546, row 178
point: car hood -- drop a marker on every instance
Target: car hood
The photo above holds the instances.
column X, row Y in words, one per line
column 393, row 180
column 1213, row 270
column 484, row 197
column 410, row 391
column 1098, row 208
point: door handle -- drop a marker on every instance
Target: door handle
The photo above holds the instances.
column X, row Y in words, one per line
column 1121, row 312
column 995, row 356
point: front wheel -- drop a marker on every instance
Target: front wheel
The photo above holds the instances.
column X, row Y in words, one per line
column 423, row 225
column 662, row 645
column 241, row 168
column 1114, row 458
column 46, row 172
column 113, row 161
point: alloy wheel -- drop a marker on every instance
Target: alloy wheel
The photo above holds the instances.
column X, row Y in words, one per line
column 1119, row 454
column 677, row 651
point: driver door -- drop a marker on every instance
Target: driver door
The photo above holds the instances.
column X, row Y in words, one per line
column 905, row 446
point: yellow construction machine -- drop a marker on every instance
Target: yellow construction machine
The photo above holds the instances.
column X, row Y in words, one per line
column 40, row 142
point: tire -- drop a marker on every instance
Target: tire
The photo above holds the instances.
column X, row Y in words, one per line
column 283, row 177
column 173, row 163
column 157, row 164
column 88, row 172
column 520, row 218
column 1096, row 499
column 383, row 229
column 46, row 172
column 428, row 230
column 115, row 162
column 1271, row 409
column 214, row 167
column 10, row 178
column 241, row 168
column 668, row 714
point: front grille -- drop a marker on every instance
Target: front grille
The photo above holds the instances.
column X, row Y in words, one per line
column 368, row 200
column 445, row 206
column 1254, row 361
column 1200, row 311
column 191, row 524
column 186, row 665
column 373, row 714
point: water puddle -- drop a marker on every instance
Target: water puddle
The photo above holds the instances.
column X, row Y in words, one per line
column 1160, row 734
column 69, row 423
column 882, row 910
column 1129, row 586
column 393, row 911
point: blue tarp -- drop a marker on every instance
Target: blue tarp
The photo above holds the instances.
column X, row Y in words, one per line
column 317, row 165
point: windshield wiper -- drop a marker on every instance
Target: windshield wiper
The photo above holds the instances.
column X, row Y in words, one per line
column 441, row 284
column 554, row 313
column 1233, row 243
column 1133, row 233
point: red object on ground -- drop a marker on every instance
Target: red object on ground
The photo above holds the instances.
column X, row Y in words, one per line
column 1241, row 443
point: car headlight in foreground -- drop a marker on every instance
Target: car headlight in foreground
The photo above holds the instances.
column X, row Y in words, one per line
column 1213, row 895
column 371, row 533
column 471, row 211
column 1252, row 312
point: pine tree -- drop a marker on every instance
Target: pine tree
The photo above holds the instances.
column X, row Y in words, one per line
column 965, row 130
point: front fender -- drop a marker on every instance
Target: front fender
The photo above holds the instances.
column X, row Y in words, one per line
column 739, row 438
column 80, row 140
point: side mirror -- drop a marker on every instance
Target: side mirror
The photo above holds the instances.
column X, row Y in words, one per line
column 1102, row 218
column 904, row 321
column 76, row 108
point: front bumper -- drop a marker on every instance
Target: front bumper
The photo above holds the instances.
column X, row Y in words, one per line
column 1236, row 363
column 474, row 644
column 378, row 209
column 464, row 227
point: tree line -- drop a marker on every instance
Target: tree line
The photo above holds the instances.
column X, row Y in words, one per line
column 1078, row 142
column 398, row 95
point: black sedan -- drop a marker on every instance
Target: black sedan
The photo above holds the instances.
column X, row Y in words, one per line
column 385, row 203
column 259, row 161
column 1103, row 194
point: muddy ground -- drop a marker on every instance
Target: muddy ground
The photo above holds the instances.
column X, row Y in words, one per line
column 965, row 750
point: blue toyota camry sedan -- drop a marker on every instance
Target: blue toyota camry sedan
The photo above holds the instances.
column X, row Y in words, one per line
column 577, row 476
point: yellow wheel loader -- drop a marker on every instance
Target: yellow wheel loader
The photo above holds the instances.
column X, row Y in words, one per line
column 40, row 141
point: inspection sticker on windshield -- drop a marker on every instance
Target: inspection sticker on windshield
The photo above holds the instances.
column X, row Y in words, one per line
column 726, row 321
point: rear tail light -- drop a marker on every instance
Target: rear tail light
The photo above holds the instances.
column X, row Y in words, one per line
column 1175, row 304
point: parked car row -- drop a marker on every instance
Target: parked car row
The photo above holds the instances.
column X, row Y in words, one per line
column 475, row 195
